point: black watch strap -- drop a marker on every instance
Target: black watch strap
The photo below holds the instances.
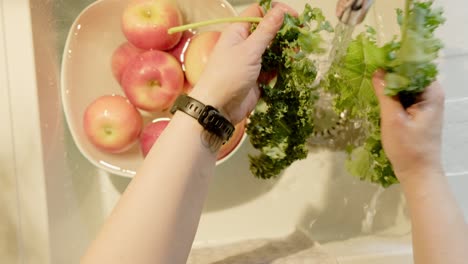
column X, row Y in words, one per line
column 208, row 116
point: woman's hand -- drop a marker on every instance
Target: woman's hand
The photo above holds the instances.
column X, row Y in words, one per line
column 412, row 137
column 229, row 81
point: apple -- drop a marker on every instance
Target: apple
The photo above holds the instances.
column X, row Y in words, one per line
column 233, row 142
column 187, row 87
column 151, row 133
column 153, row 80
column 198, row 53
column 121, row 57
column 112, row 123
column 145, row 24
column 267, row 77
column 179, row 50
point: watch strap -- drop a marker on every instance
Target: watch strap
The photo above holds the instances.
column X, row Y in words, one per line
column 188, row 105
column 207, row 116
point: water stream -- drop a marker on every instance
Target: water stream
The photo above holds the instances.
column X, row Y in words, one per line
column 339, row 45
column 370, row 211
column 328, row 124
column 342, row 39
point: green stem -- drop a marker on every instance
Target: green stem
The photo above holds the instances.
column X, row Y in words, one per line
column 409, row 4
column 214, row 22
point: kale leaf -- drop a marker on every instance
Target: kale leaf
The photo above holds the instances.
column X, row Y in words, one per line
column 282, row 121
column 411, row 68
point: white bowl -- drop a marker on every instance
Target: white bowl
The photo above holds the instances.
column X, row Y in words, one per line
column 86, row 71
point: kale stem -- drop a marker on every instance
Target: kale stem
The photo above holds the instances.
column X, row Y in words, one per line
column 214, row 22
column 408, row 5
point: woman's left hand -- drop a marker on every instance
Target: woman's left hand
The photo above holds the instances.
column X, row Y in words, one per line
column 229, row 81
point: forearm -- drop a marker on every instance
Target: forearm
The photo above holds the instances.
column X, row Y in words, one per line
column 440, row 234
column 157, row 216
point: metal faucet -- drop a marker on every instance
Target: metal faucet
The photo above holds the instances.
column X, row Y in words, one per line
column 352, row 12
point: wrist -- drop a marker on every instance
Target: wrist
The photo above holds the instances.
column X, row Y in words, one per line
column 424, row 188
column 417, row 177
column 217, row 128
column 201, row 92
column 210, row 141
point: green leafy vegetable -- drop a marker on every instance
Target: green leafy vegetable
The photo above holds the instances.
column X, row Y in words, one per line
column 413, row 68
column 350, row 80
column 283, row 120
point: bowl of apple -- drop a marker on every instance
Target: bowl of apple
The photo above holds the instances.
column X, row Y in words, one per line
column 122, row 71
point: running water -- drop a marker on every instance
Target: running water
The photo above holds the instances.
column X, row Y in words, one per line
column 329, row 124
column 339, row 45
column 341, row 41
column 370, row 210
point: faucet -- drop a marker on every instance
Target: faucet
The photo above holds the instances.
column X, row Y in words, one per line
column 352, row 12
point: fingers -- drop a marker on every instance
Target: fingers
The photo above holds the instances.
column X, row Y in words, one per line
column 432, row 99
column 389, row 106
column 238, row 32
column 266, row 30
column 253, row 10
column 434, row 94
column 431, row 104
column 287, row 8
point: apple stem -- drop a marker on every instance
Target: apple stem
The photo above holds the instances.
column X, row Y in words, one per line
column 214, row 22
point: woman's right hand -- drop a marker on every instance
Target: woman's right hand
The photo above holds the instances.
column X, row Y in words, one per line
column 412, row 137
column 229, row 81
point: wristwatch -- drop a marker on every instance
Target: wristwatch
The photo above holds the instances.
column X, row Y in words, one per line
column 208, row 116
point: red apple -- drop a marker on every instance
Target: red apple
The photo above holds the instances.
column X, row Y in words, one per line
column 198, row 53
column 145, row 24
column 267, row 77
column 232, row 143
column 151, row 133
column 153, row 80
column 121, row 57
column 187, row 87
column 112, row 123
column 179, row 50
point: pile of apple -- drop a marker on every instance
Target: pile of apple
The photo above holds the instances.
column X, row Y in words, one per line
column 153, row 68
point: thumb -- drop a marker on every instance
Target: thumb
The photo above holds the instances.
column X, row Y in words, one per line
column 266, row 30
column 388, row 105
